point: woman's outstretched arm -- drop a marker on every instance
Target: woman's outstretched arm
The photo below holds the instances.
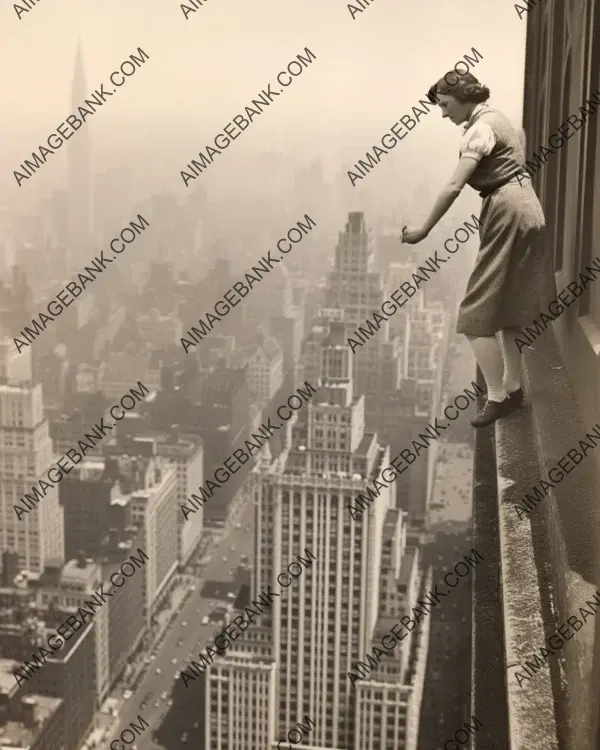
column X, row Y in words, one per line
column 465, row 168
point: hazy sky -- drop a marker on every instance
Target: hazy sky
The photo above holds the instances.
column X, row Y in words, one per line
column 203, row 71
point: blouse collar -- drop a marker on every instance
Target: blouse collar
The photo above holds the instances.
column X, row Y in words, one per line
column 479, row 108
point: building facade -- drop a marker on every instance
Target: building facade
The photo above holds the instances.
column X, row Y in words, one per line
column 26, row 455
column 563, row 44
column 327, row 619
column 154, row 509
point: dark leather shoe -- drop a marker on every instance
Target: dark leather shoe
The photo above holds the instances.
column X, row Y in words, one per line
column 493, row 410
column 516, row 396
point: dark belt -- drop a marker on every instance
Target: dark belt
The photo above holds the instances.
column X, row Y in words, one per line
column 488, row 191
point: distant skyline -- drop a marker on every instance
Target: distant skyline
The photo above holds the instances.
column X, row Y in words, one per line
column 368, row 73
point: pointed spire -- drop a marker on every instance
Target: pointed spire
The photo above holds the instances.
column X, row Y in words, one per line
column 79, row 90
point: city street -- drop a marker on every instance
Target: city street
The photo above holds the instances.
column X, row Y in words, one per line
column 194, row 635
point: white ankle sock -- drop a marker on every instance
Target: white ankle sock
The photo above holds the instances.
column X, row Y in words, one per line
column 496, row 394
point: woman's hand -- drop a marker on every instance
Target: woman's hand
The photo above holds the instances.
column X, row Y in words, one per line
column 413, row 235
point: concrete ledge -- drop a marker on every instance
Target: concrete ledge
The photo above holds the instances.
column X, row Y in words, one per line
column 549, row 557
column 531, row 710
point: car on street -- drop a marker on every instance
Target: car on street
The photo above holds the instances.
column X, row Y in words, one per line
column 205, row 620
column 158, row 670
column 180, row 642
column 231, row 595
column 184, row 624
column 127, row 695
column 156, row 704
column 224, row 558
column 173, row 660
column 238, row 526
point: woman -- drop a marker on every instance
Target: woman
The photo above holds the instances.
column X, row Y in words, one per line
column 504, row 288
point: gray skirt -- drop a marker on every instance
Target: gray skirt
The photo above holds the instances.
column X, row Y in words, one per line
column 514, row 270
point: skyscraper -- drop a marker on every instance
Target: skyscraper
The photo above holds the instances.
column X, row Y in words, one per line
column 79, row 190
column 295, row 662
column 26, row 450
column 356, row 288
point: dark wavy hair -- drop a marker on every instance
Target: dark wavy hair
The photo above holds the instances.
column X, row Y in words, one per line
column 462, row 86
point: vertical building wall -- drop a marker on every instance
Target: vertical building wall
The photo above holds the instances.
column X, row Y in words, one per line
column 25, row 456
column 156, row 509
column 126, row 622
column 562, row 74
column 190, row 472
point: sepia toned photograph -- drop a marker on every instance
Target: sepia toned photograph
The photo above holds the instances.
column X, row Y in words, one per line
column 299, row 375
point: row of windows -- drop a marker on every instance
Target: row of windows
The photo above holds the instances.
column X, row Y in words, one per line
column 13, row 440
column 343, row 417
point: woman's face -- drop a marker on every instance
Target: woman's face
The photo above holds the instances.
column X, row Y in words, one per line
column 457, row 112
